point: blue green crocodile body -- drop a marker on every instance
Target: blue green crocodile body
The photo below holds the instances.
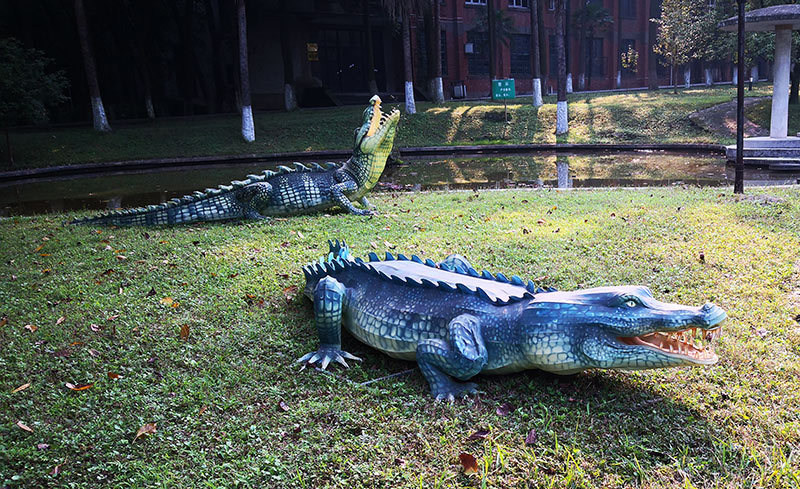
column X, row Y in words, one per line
column 456, row 322
column 287, row 191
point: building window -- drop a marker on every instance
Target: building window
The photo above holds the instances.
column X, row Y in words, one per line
column 518, row 3
column 475, row 2
column 443, row 42
column 551, row 5
column 521, row 54
column 627, row 9
column 596, row 64
column 478, row 60
column 625, row 46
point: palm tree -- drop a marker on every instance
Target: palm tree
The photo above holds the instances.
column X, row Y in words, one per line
column 248, row 127
column 536, row 65
column 98, row 111
column 562, row 112
column 499, row 26
column 591, row 19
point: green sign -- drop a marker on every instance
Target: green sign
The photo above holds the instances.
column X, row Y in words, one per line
column 503, row 89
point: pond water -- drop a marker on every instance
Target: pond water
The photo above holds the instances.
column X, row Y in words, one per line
column 632, row 169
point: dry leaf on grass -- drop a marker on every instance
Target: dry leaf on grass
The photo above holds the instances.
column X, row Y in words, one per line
column 57, row 469
column 78, row 387
column 60, row 320
column 3, row 321
column 504, row 409
column 147, row 429
column 24, row 426
column 531, row 438
column 31, row 327
column 184, row 331
column 21, row 388
column 469, row 463
column 478, row 435
column 112, row 375
column 167, row 301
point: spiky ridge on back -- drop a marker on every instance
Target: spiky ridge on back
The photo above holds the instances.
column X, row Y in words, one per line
column 339, row 259
column 218, row 193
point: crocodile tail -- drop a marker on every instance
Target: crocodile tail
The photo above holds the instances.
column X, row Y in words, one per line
column 185, row 210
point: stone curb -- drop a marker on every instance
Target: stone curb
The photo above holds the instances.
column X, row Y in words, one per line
column 319, row 156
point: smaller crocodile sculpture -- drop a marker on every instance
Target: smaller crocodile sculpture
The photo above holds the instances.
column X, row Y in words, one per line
column 287, row 191
column 456, row 322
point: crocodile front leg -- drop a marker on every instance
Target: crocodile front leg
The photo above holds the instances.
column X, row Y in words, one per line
column 462, row 356
column 364, row 202
column 328, row 304
column 339, row 189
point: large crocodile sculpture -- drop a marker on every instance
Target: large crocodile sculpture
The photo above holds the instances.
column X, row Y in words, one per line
column 285, row 192
column 457, row 322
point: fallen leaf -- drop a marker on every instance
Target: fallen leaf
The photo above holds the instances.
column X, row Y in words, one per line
column 112, row 375
column 78, row 387
column 167, row 301
column 469, row 463
column 57, row 469
column 13, row 277
column 3, row 321
column 504, row 409
column 42, row 446
column 21, row 388
column 94, row 352
column 63, row 353
column 614, row 214
column 46, row 271
column 184, row 331
column 541, row 221
column 121, row 257
column 289, row 292
column 146, row 235
column 300, row 235
column 24, row 426
column 531, row 438
column 44, row 254
column 31, row 327
column 702, row 257
column 151, row 293
column 202, row 410
column 94, row 328
column 762, row 333
column 147, row 429
column 373, row 244
column 526, row 230
column 284, row 244
column 389, row 245
column 111, row 318
column 38, row 248
column 478, row 435
column 283, row 406
column 76, row 343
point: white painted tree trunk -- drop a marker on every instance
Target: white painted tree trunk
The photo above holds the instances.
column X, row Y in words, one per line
column 99, row 115
column 735, row 75
column 709, row 78
column 619, row 78
column 248, row 128
column 581, row 82
column 437, row 91
column 289, row 99
column 754, row 73
column 569, row 82
column 148, row 104
column 687, row 77
column 537, row 92
column 562, row 125
column 411, row 107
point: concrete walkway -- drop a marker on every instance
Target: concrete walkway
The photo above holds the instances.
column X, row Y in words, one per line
column 721, row 119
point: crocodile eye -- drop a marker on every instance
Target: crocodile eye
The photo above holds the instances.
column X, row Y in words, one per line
column 630, row 303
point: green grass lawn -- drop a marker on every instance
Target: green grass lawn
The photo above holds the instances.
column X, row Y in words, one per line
column 232, row 409
column 627, row 117
column 762, row 112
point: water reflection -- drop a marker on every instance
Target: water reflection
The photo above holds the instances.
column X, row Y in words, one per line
column 102, row 192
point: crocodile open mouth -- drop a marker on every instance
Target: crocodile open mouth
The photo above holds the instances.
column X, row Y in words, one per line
column 693, row 344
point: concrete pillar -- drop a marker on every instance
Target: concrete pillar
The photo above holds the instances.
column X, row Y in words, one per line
column 779, row 125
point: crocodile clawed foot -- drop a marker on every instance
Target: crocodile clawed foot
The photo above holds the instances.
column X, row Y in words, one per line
column 325, row 355
column 454, row 390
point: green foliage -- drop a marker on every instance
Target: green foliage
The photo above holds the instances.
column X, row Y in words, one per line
column 592, row 18
column 503, row 24
column 216, row 396
column 26, row 87
column 630, row 59
column 682, row 28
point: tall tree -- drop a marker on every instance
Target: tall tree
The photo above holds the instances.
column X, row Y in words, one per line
column 248, row 126
column 680, row 31
column 435, row 54
column 652, row 34
column 400, row 12
column 562, row 111
column 536, row 65
column 590, row 19
column 372, row 85
column 98, row 110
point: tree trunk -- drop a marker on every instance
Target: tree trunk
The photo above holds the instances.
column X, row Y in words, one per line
column 589, row 67
column 652, row 33
column 435, row 55
column 137, row 46
column 8, row 145
column 536, row 70
column 248, row 127
column 98, row 111
column 289, row 97
column 411, row 107
column 492, row 41
column 562, row 117
column 795, row 84
column 582, row 50
column 372, row 85
column 187, row 61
